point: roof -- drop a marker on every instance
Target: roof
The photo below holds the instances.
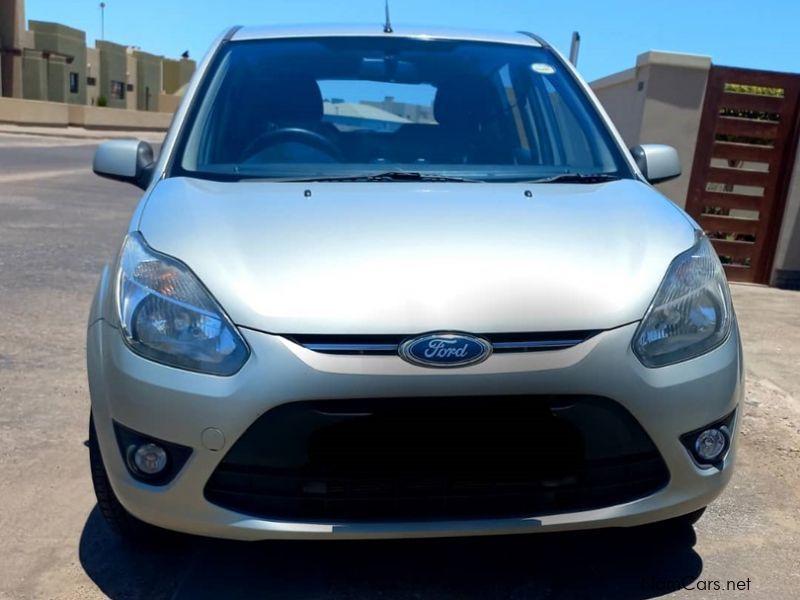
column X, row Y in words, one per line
column 305, row 31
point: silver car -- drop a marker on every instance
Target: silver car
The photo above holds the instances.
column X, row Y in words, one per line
column 404, row 284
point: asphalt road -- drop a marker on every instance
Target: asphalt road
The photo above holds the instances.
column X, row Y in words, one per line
column 59, row 224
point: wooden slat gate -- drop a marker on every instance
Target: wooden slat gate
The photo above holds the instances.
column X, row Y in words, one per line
column 742, row 166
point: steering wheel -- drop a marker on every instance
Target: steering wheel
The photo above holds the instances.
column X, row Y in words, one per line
column 298, row 135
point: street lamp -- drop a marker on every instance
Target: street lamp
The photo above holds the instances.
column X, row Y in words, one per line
column 102, row 20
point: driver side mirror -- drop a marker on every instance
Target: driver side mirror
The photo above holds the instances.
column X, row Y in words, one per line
column 131, row 161
column 657, row 162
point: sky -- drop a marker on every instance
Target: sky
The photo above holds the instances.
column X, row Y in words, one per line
column 756, row 34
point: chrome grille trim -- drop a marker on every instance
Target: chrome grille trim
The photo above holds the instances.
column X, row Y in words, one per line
column 379, row 345
column 352, row 347
column 537, row 345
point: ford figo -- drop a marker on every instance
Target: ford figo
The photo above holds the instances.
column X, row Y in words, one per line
column 404, row 284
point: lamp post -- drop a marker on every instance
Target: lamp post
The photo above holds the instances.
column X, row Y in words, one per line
column 103, row 21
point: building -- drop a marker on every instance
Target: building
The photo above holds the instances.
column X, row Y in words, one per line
column 415, row 113
column 51, row 62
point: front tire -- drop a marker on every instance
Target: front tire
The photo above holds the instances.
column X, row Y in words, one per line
column 118, row 519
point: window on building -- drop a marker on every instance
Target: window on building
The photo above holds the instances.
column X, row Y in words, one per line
column 91, row 81
column 117, row 90
column 73, row 83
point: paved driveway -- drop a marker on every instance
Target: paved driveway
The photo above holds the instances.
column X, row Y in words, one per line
column 58, row 224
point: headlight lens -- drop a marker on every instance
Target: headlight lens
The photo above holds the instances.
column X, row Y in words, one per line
column 691, row 312
column 168, row 316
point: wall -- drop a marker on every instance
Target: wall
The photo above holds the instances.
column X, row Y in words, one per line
column 12, row 34
column 176, row 74
column 131, row 68
column 169, row 103
column 61, row 114
column 92, row 72
column 148, row 80
column 92, row 117
column 34, row 75
column 659, row 101
column 31, row 112
column 786, row 272
column 623, row 102
column 113, row 67
column 56, row 38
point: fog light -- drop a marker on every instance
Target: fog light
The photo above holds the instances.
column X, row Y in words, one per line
column 149, row 459
column 710, row 444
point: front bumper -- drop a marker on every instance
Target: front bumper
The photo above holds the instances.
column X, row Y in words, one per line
column 179, row 406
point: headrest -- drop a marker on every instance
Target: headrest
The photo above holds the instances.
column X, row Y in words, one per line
column 291, row 98
column 463, row 103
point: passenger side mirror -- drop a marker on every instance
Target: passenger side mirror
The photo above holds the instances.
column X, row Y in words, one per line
column 130, row 161
column 657, row 162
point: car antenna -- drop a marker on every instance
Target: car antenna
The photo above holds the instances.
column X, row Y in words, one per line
column 387, row 26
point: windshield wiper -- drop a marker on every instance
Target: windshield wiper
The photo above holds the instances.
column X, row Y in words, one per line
column 389, row 176
column 578, row 178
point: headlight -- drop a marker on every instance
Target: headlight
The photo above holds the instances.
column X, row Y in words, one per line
column 691, row 312
column 168, row 316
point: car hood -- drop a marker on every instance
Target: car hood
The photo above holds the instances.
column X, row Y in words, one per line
column 402, row 258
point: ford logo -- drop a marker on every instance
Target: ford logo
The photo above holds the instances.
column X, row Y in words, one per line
column 445, row 350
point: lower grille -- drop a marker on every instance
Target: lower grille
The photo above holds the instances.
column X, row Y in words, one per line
column 437, row 458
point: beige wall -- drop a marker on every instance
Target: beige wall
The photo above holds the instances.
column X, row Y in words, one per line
column 131, row 72
column 92, row 117
column 34, row 75
column 32, row 112
column 59, row 114
column 148, row 80
column 659, row 101
column 54, row 37
column 786, row 268
column 623, row 102
column 92, row 70
column 177, row 74
column 12, row 33
column 113, row 67
column 169, row 103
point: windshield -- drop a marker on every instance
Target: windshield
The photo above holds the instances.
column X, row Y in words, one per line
column 344, row 107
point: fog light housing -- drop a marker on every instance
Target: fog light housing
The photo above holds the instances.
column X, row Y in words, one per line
column 710, row 444
column 148, row 459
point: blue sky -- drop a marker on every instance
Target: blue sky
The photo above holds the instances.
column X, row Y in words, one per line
column 733, row 32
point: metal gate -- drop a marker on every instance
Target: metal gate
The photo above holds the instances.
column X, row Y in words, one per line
column 742, row 166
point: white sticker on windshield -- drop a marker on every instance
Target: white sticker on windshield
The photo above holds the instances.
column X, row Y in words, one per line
column 543, row 68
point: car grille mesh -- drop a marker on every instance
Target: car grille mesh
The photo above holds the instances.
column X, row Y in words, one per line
column 437, row 458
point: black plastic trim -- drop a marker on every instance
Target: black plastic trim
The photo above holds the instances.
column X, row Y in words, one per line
column 177, row 455
column 726, row 424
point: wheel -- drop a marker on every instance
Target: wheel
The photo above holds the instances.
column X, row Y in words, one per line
column 120, row 520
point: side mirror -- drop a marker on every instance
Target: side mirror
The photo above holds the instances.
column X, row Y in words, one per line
column 130, row 161
column 657, row 162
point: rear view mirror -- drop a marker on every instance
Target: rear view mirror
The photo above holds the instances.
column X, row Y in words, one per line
column 657, row 162
column 130, row 161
